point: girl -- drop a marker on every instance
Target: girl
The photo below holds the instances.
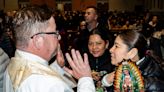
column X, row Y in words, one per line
column 132, row 45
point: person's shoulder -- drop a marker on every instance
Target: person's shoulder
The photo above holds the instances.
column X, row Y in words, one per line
column 153, row 84
column 153, row 58
column 101, row 26
column 3, row 57
column 44, row 78
column 44, row 82
column 1, row 52
column 154, row 63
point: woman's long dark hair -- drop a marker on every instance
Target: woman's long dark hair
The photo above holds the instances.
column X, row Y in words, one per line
column 134, row 39
column 103, row 34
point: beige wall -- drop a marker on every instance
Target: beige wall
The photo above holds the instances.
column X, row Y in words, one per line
column 154, row 5
column 82, row 4
column 123, row 4
column 11, row 5
column 1, row 5
column 49, row 3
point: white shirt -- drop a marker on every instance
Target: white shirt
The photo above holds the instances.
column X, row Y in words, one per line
column 42, row 83
column 55, row 66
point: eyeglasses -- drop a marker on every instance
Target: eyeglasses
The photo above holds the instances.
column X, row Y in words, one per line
column 49, row 33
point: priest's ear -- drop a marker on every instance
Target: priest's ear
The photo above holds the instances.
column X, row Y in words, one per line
column 38, row 41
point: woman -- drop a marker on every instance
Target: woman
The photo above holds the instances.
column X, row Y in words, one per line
column 99, row 60
column 132, row 45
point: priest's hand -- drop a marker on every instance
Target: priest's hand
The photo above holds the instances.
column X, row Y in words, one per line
column 80, row 67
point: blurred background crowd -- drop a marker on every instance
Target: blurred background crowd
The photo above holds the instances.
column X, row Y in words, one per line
column 71, row 23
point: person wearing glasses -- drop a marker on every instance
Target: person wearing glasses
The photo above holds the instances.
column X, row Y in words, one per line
column 37, row 42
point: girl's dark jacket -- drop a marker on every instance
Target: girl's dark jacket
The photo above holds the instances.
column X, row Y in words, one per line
column 153, row 73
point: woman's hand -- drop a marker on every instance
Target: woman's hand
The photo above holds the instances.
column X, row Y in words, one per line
column 96, row 75
column 110, row 77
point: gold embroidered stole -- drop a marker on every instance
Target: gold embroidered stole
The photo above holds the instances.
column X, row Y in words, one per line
column 19, row 69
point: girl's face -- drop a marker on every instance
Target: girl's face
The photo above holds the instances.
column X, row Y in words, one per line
column 97, row 45
column 119, row 51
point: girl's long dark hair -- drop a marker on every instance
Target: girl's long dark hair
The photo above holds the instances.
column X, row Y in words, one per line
column 134, row 39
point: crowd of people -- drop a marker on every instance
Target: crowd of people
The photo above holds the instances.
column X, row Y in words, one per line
column 33, row 36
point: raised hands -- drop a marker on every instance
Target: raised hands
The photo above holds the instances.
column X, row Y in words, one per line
column 80, row 67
